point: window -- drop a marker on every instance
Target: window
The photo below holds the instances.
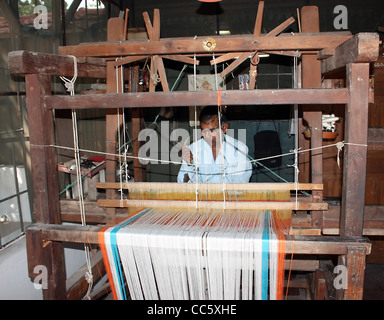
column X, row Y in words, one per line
column 15, row 207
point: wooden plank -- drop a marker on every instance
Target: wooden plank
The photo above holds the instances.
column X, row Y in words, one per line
column 355, row 156
column 126, row 24
column 203, row 187
column 325, row 53
column 225, row 57
column 156, row 25
column 230, row 205
column 148, row 25
column 335, row 245
column 129, row 59
column 189, row 98
column 259, row 19
column 94, row 214
column 366, row 231
column 157, row 64
column 256, row 33
column 139, row 170
column 318, row 285
column 280, row 28
column 355, row 262
column 311, row 78
column 162, row 74
column 191, row 46
column 43, row 155
column 45, row 184
column 115, row 31
column 362, row 47
column 27, row 62
column 46, row 258
column 235, row 64
column 111, row 127
column 180, row 58
column 245, row 55
column 301, row 265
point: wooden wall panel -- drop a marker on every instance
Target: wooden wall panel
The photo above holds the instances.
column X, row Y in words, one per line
column 376, row 109
column 374, row 191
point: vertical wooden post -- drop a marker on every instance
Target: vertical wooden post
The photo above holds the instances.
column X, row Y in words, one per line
column 311, row 71
column 139, row 170
column 355, row 156
column 354, row 260
column 319, row 286
column 256, row 33
column 46, row 189
column 115, row 32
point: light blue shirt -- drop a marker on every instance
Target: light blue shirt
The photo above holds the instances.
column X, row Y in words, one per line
column 234, row 160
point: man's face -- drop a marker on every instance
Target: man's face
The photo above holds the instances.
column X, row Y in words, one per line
column 210, row 130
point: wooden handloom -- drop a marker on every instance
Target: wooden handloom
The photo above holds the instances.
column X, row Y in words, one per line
column 322, row 54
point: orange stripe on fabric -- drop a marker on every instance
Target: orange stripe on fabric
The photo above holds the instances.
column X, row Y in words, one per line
column 280, row 228
column 280, row 270
column 106, row 261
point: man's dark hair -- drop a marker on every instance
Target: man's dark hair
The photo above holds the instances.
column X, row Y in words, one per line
column 210, row 111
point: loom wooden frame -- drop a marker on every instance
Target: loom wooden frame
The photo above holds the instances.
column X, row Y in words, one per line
column 350, row 53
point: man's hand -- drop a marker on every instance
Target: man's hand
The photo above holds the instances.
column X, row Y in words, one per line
column 186, row 177
column 187, row 155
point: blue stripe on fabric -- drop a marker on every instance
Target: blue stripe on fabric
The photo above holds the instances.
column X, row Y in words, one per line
column 265, row 258
column 115, row 250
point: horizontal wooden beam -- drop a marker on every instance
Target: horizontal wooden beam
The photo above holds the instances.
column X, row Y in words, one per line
column 204, row 98
column 203, row 187
column 335, row 245
column 27, row 62
column 366, row 231
column 362, row 47
column 195, row 45
column 214, row 205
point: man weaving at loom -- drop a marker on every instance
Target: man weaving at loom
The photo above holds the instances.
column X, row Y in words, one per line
column 205, row 242
column 217, row 157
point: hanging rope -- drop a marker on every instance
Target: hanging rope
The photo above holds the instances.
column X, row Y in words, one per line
column 70, row 85
column 339, row 147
